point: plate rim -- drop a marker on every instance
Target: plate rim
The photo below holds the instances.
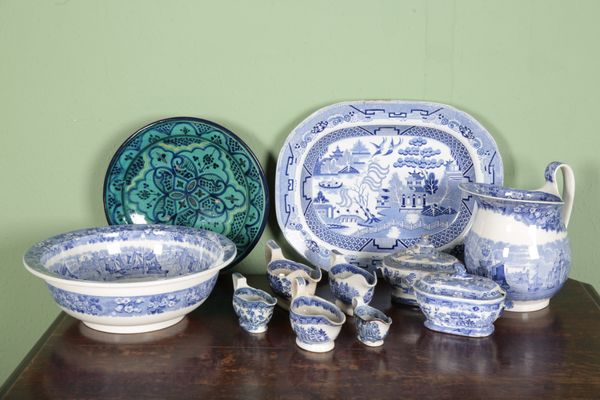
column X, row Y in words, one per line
column 240, row 255
column 499, row 174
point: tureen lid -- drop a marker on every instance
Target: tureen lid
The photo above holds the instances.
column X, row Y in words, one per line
column 421, row 256
column 460, row 285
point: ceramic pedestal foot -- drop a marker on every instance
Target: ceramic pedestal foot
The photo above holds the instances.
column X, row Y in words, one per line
column 371, row 344
column 260, row 329
column 316, row 347
column 471, row 332
column 527, row 306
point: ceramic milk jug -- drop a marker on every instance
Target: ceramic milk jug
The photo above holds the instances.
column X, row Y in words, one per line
column 519, row 238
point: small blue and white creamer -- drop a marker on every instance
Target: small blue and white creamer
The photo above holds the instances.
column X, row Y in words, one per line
column 519, row 238
column 254, row 307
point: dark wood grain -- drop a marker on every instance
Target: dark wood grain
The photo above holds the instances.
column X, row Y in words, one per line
column 553, row 353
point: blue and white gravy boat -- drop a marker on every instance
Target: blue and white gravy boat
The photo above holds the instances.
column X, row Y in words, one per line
column 372, row 325
column 254, row 307
column 315, row 321
column 281, row 272
column 348, row 281
column 519, row 238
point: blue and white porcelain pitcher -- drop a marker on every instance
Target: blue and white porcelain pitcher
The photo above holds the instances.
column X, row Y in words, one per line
column 519, row 238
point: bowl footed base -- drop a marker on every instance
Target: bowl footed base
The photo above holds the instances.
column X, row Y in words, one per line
column 142, row 328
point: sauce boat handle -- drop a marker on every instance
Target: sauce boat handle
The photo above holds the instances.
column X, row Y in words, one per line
column 239, row 281
column 568, row 192
column 273, row 251
column 336, row 258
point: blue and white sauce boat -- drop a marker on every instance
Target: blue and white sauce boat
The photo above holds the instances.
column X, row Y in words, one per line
column 315, row 321
column 402, row 269
column 460, row 303
column 254, row 307
column 347, row 281
column 281, row 272
column 519, row 238
column 130, row 278
column 372, row 325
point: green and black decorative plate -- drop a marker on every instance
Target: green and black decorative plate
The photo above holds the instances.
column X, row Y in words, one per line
column 191, row 172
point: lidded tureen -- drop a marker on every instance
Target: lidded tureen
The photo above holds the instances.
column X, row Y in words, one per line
column 460, row 303
column 402, row 269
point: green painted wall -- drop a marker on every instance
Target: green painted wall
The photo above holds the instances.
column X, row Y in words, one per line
column 77, row 77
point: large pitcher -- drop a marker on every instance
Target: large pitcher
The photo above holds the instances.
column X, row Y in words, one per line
column 519, row 238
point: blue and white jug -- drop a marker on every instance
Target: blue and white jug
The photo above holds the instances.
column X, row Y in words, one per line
column 519, row 238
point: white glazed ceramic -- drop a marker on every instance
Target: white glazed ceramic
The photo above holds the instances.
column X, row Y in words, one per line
column 519, row 238
column 368, row 178
column 372, row 325
column 404, row 268
column 460, row 303
column 254, row 307
column 315, row 321
column 348, row 281
column 130, row 278
column 281, row 272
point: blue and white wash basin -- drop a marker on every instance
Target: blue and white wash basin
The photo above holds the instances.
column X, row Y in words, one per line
column 130, row 278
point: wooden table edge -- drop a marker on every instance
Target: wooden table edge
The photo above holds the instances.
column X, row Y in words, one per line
column 30, row 356
column 26, row 361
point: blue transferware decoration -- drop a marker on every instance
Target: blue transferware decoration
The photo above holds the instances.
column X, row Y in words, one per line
column 281, row 272
column 403, row 268
column 190, row 172
column 519, row 238
column 460, row 303
column 130, row 278
column 369, row 178
column 254, row 307
column 315, row 321
column 372, row 325
column 348, row 281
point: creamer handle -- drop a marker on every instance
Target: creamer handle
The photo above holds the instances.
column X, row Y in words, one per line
column 299, row 287
column 568, row 192
column 336, row 258
column 273, row 251
column 357, row 301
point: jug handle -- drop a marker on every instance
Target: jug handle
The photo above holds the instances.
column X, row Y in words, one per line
column 273, row 251
column 239, row 281
column 568, row 192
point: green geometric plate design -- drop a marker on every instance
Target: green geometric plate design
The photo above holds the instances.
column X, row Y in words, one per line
column 191, row 172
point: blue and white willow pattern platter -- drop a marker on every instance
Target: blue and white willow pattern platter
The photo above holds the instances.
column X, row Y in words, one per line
column 190, row 172
column 130, row 278
column 368, row 178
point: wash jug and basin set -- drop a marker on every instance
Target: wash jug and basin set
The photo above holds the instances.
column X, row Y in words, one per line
column 364, row 191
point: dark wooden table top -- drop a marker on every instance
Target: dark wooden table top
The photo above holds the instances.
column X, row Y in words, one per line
column 553, row 353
